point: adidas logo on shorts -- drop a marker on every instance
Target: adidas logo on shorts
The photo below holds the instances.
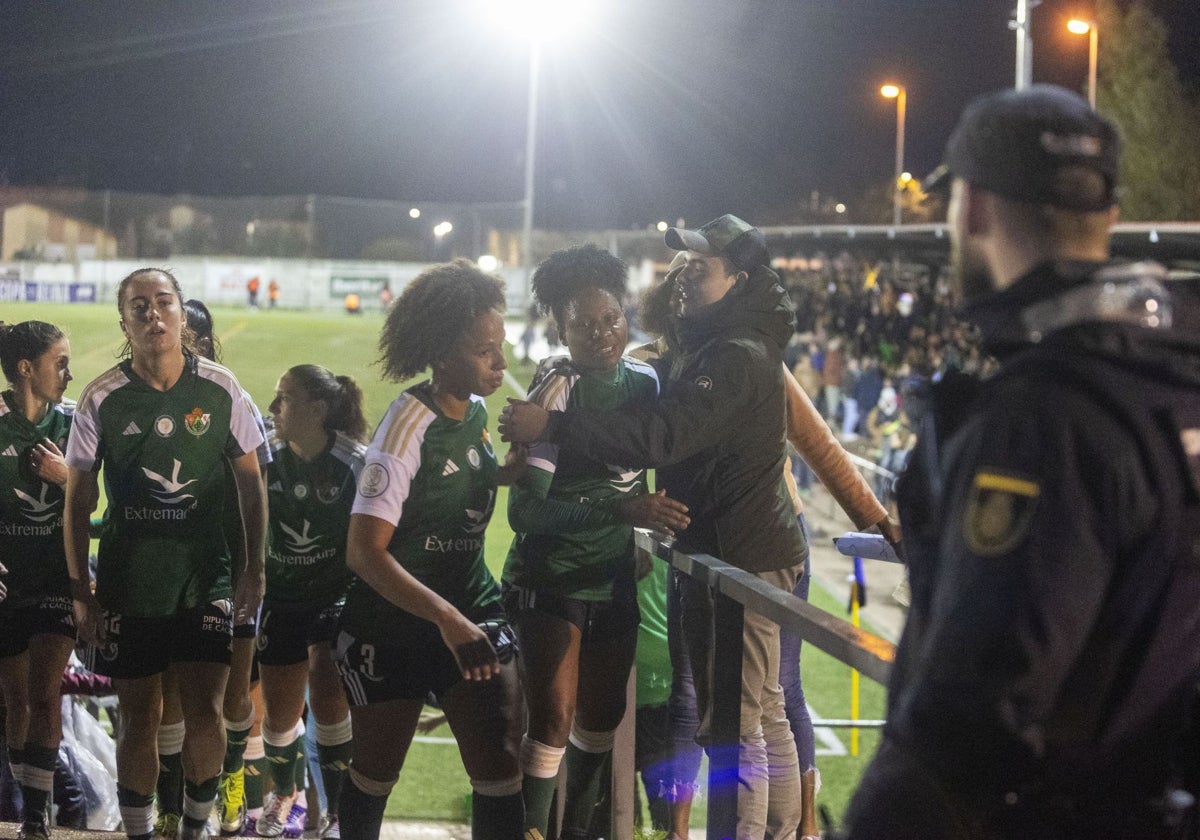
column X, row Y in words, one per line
column 132, row 429
column 451, row 468
column 10, row 452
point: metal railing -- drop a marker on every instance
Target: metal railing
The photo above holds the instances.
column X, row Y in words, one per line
column 735, row 590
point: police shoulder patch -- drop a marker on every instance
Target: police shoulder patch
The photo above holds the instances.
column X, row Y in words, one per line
column 999, row 511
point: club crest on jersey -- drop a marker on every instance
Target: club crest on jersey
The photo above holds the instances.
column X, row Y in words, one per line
column 999, row 512
column 197, row 422
column 300, row 491
column 373, row 481
column 704, row 382
column 164, row 426
column 473, row 457
column 328, row 493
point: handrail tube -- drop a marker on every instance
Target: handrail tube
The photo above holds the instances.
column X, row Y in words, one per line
column 867, row 653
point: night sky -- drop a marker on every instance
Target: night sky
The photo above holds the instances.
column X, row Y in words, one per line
column 662, row 109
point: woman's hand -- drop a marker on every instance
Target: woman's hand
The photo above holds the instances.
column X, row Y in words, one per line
column 655, row 512
column 89, row 618
column 48, row 462
column 514, row 465
column 522, row 421
column 471, row 648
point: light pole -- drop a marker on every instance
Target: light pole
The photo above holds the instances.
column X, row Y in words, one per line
column 538, row 21
column 535, row 61
column 1089, row 28
column 897, row 92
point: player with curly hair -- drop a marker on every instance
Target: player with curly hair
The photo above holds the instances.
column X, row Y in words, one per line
column 424, row 614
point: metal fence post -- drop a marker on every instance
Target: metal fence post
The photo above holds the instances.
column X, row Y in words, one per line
column 725, row 726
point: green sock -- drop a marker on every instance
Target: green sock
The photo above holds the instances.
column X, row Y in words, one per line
column 170, row 783
column 256, row 778
column 282, row 761
column 538, row 795
column 39, row 781
column 301, row 777
column 235, row 748
column 198, row 799
column 586, row 776
column 335, row 761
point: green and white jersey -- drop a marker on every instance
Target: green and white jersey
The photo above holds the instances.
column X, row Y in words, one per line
column 162, row 547
column 31, row 510
column 581, row 562
column 309, row 503
column 434, row 478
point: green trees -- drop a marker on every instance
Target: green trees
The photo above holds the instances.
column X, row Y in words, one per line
column 1139, row 88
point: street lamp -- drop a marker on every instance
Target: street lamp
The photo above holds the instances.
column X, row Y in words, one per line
column 897, row 92
column 1088, row 27
column 537, row 20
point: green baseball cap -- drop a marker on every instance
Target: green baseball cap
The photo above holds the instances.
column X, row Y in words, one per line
column 728, row 236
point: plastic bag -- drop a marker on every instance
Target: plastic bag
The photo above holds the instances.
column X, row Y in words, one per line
column 95, row 755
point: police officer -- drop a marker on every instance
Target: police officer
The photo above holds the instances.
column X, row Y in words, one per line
column 1045, row 680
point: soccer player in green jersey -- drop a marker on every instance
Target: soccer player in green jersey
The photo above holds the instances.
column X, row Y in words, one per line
column 569, row 577
column 162, row 423
column 238, row 708
column 316, row 441
column 37, row 628
column 424, row 615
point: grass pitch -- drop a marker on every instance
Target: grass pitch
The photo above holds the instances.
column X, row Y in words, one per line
column 260, row 345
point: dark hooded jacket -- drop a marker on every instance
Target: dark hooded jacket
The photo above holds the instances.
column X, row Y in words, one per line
column 1046, row 681
column 717, row 432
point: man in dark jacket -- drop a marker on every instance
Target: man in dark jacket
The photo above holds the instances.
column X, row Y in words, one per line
column 716, row 436
column 1046, row 682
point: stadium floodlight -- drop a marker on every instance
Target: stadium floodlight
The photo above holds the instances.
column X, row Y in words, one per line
column 539, row 21
column 897, row 92
column 1078, row 26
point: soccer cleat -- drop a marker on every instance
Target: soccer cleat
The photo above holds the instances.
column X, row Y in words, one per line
column 331, row 831
column 199, row 832
column 166, row 827
column 33, row 831
column 276, row 810
column 231, row 802
column 314, row 831
column 294, row 827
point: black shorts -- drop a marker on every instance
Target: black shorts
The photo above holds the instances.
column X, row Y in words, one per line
column 595, row 619
column 141, row 647
column 285, row 631
column 50, row 614
column 410, row 668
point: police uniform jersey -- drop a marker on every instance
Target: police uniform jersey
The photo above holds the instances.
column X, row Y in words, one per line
column 1052, row 525
column 434, row 478
column 585, row 563
column 31, row 510
column 309, row 505
column 162, row 547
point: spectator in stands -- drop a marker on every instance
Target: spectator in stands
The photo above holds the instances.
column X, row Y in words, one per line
column 891, row 433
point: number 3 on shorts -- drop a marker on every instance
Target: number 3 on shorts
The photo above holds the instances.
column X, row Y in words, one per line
column 367, row 662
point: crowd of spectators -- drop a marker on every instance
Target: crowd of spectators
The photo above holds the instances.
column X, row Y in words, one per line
column 870, row 339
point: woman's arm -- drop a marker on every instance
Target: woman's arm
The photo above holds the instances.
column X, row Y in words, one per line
column 250, row 580
column 83, row 493
column 368, row 557
column 808, row 432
